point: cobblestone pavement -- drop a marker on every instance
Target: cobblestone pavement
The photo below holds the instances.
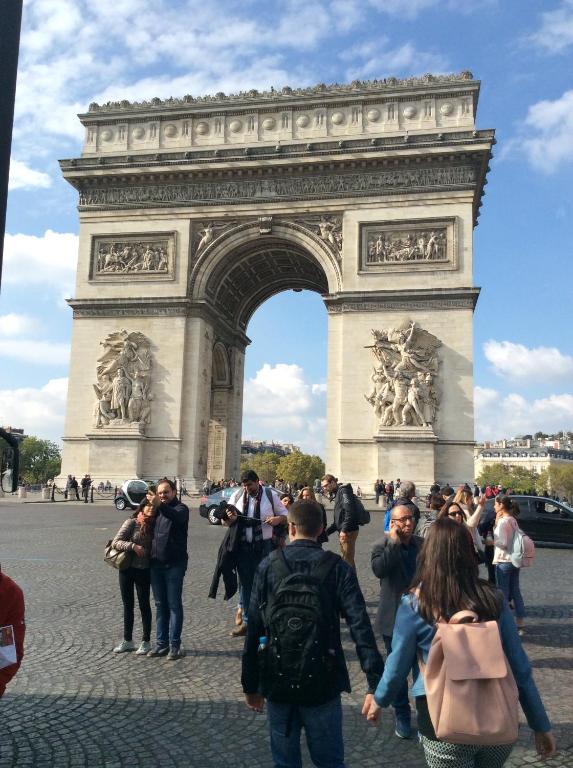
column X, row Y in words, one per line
column 75, row 704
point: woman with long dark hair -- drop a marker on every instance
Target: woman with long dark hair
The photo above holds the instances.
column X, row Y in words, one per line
column 445, row 583
column 307, row 494
column 135, row 537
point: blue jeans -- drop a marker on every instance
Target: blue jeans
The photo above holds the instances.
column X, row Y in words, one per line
column 248, row 559
column 401, row 704
column 167, row 586
column 507, row 579
column 323, row 727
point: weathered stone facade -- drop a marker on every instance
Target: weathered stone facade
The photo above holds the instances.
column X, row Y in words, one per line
column 195, row 211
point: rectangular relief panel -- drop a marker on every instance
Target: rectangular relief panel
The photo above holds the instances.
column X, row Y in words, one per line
column 142, row 257
column 407, row 246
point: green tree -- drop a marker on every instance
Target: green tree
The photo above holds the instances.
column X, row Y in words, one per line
column 40, row 459
column 556, row 480
column 300, row 468
column 519, row 479
column 265, row 465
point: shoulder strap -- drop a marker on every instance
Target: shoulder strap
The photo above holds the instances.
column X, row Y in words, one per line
column 280, row 564
column 324, row 566
column 269, row 495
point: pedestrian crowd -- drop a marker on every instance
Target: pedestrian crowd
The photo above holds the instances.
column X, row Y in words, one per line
column 456, row 636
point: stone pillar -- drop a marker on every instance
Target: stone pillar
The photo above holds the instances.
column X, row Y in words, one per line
column 196, row 403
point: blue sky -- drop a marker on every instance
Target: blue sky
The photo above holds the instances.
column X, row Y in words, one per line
column 77, row 51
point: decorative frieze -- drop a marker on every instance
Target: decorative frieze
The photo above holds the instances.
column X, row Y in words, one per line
column 423, row 245
column 275, row 188
column 140, row 257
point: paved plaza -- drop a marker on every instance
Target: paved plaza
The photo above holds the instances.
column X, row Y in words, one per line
column 74, row 704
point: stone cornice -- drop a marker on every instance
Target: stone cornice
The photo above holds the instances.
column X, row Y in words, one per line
column 173, row 160
column 157, row 307
column 287, row 96
column 402, row 300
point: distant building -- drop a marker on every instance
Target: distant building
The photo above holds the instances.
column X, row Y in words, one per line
column 526, row 452
column 252, row 447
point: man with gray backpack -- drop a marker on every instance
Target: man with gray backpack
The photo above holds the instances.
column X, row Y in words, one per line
column 293, row 654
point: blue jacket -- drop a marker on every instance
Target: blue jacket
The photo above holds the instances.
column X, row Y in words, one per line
column 301, row 555
column 413, row 634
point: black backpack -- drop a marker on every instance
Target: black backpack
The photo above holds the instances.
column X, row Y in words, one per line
column 362, row 514
column 298, row 664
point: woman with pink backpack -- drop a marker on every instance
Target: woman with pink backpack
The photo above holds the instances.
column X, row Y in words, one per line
column 506, row 573
column 473, row 666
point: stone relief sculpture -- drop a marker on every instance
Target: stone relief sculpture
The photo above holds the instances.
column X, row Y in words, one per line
column 131, row 256
column 403, row 391
column 123, row 381
column 386, row 247
column 330, row 230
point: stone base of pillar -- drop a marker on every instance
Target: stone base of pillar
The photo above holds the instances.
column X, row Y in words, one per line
column 116, row 451
column 408, row 453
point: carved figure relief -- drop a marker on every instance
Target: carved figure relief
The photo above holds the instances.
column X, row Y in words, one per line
column 143, row 257
column 123, row 388
column 403, row 389
column 401, row 246
column 406, row 245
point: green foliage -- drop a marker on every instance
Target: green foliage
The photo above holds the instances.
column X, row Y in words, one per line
column 265, row 465
column 300, row 468
column 517, row 478
column 556, row 480
column 40, row 460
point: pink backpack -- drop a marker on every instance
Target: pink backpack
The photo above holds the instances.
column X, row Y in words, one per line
column 470, row 689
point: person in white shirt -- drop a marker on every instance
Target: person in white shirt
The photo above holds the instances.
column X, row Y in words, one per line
column 264, row 510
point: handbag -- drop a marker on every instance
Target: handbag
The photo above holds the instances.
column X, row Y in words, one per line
column 117, row 558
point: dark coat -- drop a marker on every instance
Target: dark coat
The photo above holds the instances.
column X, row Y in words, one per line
column 227, row 564
column 170, row 533
column 342, row 583
column 388, row 566
column 345, row 518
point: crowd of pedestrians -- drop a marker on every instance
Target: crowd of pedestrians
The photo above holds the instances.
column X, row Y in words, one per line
column 457, row 636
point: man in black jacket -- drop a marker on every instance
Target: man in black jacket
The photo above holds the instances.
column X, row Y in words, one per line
column 394, row 563
column 345, row 517
column 322, row 720
column 168, row 565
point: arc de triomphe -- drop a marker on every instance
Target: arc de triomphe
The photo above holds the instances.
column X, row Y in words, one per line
column 195, row 211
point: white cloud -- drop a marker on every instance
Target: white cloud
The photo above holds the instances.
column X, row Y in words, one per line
column 14, row 324
column 410, row 9
column 49, row 260
column 546, row 136
column 39, row 412
column 556, row 31
column 35, row 352
column 499, row 416
column 375, row 58
column 521, row 363
column 24, row 177
column 279, row 404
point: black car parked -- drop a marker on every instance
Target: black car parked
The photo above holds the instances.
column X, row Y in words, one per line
column 545, row 520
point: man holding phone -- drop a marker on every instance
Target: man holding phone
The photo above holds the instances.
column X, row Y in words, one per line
column 394, row 563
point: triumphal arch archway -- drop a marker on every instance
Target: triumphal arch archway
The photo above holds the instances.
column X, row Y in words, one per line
column 194, row 211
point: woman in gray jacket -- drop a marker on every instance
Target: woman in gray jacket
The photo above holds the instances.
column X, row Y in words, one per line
column 135, row 536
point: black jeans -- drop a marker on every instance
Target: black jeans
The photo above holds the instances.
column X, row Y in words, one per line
column 140, row 578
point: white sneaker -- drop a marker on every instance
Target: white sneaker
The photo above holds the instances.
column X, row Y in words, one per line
column 124, row 646
column 144, row 648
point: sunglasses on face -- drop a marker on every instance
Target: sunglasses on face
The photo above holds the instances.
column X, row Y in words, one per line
column 457, row 513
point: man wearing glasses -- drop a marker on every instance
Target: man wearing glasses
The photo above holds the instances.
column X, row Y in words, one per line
column 394, row 563
column 168, row 565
